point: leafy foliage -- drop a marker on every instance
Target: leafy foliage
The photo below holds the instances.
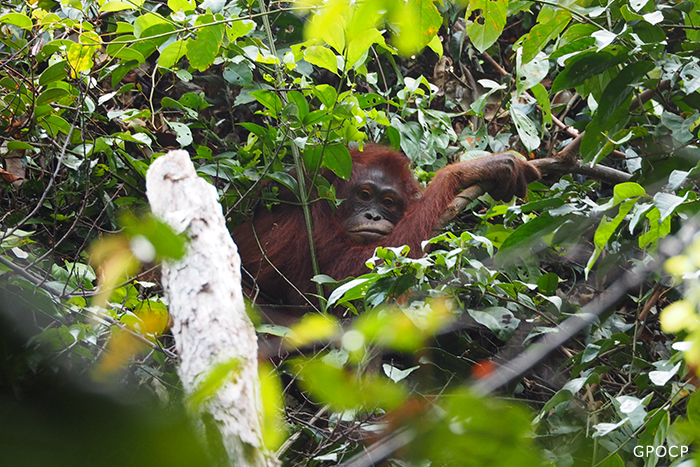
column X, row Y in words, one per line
column 91, row 92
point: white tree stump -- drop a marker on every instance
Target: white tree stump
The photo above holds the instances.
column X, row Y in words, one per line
column 205, row 299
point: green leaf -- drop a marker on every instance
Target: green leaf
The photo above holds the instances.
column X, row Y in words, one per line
column 528, row 235
column 583, row 66
column 218, row 376
column 238, row 74
column 679, row 126
column 657, row 229
column 605, row 230
column 183, row 134
column 337, row 158
column 579, row 45
column 269, row 99
column 54, row 124
column 126, row 51
column 326, row 94
column 550, row 23
column 667, row 203
column 298, row 98
column 184, row 5
column 322, row 57
column 619, row 89
column 116, row 5
column 55, row 72
column 488, row 22
column 370, row 100
column 312, row 157
column 692, row 19
column 532, row 73
column 417, row 21
column 547, row 283
column 395, row 329
column 52, row 95
column 171, row 54
column 526, row 129
column 352, row 290
column 17, row 19
column 576, row 32
column 436, row 45
column 328, row 26
column 238, row 29
column 202, row 51
column 18, row 145
column 593, row 142
column 542, row 97
column 344, row 391
column 144, row 24
column 287, row 180
column 359, row 45
column 167, row 243
column 498, row 319
column 124, row 28
column 627, row 190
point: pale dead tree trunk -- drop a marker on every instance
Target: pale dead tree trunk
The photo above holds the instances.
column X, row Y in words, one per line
column 210, row 325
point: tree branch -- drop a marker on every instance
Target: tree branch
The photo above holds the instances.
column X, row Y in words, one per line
column 549, row 165
column 213, row 334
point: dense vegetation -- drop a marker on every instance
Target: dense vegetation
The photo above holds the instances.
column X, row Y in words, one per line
column 91, row 92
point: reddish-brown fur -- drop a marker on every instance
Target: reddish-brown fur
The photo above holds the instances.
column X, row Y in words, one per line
column 282, row 231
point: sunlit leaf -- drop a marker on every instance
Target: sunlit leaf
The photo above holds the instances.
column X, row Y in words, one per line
column 313, row 328
column 485, row 22
column 202, row 51
column 17, row 19
column 322, row 57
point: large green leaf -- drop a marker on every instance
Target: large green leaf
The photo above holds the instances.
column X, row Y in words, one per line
column 358, row 46
column 269, row 99
column 171, row 54
column 606, row 229
column 322, row 57
column 417, row 21
column 550, row 23
column 54, row 95
column 202, row 51
column 585, row 65
column 55, row 72
column 337, row 158
column 619, row 89
column 17, row 19
column 238, row 29
column 489, row 18
column 528, row 235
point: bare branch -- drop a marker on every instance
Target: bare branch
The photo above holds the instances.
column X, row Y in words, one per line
column 211, row 328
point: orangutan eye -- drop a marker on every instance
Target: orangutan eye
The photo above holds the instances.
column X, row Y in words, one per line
column 388, row 202
column 364, row 195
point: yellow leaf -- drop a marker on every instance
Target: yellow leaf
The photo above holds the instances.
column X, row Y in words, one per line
column 678, row 316
column 120, row 348
column 313, row 328
column 80, row 53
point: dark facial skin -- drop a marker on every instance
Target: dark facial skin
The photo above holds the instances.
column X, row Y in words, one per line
column 376, row 207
